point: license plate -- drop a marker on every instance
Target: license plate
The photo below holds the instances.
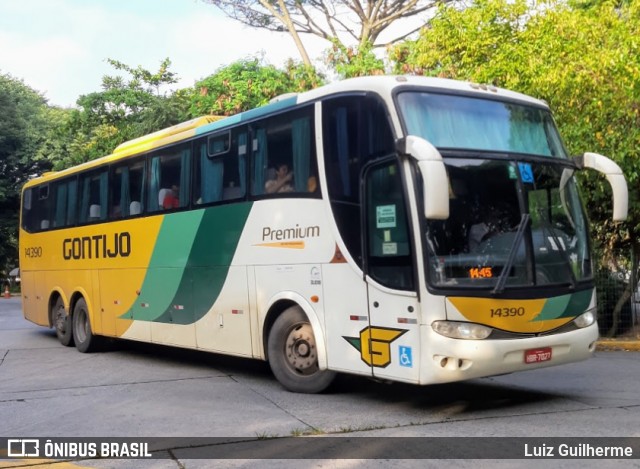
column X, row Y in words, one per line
column 537, row 355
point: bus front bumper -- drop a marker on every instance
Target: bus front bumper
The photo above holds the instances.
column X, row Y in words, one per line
column 446, row 360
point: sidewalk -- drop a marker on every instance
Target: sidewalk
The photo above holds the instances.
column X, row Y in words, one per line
column 619, row 344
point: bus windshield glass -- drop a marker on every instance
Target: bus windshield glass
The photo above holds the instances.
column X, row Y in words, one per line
column 511, row 224
column 460, row 122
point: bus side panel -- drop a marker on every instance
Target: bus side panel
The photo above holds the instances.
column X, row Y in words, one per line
column 347, row 318
column 116, row 297
column 226, row 325
column 174, row 326
column 41, row 303
column 182, row 335
column 395, row 334
column 29, row 303
column 300, row 284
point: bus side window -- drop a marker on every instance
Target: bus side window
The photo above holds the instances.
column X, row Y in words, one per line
column 356, row 130
column 27, row 212
column 126, row 189
column 169, row 178
column 220, row 167
column 283, row 154
column 35, row 209
column 93, row 196
column 65, row 194
column 43, row 208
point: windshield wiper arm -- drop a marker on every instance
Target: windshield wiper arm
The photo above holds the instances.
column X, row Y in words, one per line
column 502, row 280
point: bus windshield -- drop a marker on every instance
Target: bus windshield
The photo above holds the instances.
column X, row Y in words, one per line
column 511, row 224
column 460, row 122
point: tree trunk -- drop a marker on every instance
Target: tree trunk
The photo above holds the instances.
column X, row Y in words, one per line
column 628, row 291
column 286, row 19
column 615, row 316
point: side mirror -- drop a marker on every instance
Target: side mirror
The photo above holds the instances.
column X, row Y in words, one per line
column 434, row 175
column 616, row 179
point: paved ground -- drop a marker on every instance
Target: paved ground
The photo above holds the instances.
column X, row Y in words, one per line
column 138, row 390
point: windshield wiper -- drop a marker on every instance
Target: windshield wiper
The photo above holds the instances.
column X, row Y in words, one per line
column 502, row 280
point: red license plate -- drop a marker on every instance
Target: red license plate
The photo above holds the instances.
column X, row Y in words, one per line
column 537, row 355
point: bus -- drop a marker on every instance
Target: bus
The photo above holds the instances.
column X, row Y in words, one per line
column 403, row 228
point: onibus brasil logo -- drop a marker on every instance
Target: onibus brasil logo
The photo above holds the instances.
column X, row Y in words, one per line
column 374, row 344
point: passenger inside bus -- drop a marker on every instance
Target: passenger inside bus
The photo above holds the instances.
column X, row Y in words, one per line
column 170, row 197
column 281, row 181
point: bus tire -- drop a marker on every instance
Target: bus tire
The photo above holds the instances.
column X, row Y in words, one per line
column 62, row 323
column 293, row 354
column 85, row 340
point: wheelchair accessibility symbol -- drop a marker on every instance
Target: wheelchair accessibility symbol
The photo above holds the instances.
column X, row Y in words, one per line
column 405, row 356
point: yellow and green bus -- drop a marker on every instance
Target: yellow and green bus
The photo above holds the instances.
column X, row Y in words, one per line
column 404, row 228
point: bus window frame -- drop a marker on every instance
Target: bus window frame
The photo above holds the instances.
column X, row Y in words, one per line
column 304, row 110
column 227, row 148
column 128, row 162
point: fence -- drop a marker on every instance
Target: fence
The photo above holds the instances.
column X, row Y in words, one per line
column 611, row 287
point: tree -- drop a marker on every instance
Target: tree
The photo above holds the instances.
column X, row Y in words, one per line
column 350, row 62
column 582, row 58
column 247, row 84
column 340, row 22
column 124, row 109
column 23, row 127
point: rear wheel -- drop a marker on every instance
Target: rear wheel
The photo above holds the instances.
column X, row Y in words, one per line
column 293, row 354
column 86, row 341
column 62, row 323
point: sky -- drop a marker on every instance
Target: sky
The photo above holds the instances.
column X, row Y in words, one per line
column 60, row 47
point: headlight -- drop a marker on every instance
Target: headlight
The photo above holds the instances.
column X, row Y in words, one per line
column 461, row 330
column 585, row 319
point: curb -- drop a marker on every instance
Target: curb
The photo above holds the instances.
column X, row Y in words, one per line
column 605, row 345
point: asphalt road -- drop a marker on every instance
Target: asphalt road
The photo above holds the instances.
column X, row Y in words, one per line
column 139, row 390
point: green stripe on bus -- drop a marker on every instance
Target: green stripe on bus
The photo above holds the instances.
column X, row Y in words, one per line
column 199, row 246
column 565, row 306
column 167, row 265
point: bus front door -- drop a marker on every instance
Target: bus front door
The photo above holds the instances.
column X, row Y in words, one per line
column 392, row 340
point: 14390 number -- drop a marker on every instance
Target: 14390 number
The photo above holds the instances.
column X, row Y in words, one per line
column 33, row 252
column 507, row 312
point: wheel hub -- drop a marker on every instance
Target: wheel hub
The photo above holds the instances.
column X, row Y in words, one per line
column 301, row 349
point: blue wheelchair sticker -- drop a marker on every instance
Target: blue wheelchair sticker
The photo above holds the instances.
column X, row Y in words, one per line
column 406, row 358
column 526, row 173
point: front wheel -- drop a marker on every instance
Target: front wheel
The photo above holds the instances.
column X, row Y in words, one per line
column 62, row 323
column 86, row 341
column 293, row 354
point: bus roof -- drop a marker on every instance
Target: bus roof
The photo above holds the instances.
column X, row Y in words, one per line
column 383, row 85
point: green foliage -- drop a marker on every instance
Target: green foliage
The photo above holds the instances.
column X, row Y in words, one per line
column 352, row 62
column 23, row 124
column 247, row 84
column 584, row 61
column 124, row 109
